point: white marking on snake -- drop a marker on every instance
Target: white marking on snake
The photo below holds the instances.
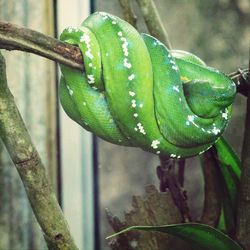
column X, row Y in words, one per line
column 176, row 88
column 175, row 67
column 155, row 144
column 70, row 90
column 126, row 63
column 225, row 114
column 215, row 130
column 91, row 79
column 131, row 93
column 133, row 103
column 131, row 77
column 86, row 39
column 191, row 118
column 71, row 29
column 125, row 46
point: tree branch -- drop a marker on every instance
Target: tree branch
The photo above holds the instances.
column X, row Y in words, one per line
column 168, row 181
column 13, row 37
column 128, row 12
column 31, row 170
column 243, row 215
column 153, row 21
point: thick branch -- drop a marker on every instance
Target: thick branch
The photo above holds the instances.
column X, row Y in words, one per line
column 243, row 215
column 13, row 37
column 31, row 170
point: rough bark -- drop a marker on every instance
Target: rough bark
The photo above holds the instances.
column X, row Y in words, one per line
column 31, row 170
column 243, row 214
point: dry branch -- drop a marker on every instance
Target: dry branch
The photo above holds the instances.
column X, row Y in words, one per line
column 13, row 37
column 31, row 170
column 243, row 213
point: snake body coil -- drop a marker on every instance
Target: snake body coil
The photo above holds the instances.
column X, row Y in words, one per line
column 135, row 92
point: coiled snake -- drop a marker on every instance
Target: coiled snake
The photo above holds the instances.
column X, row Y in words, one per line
column 135, row 92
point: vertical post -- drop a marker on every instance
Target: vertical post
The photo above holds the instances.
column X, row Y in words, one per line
column 76, row 151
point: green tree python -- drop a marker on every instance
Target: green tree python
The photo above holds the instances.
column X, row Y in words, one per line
column 135, row 92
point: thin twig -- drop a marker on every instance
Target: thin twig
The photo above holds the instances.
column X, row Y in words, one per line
column 31, row 170
column 181, row 171
column 128, row 12
column 243, row 215
column 168, row 181
column 153, row 21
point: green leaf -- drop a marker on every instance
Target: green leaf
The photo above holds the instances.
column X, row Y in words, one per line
column 230, row 171
column 222, row 224
column 199, row 235
column 229, row 168
column 227, row 156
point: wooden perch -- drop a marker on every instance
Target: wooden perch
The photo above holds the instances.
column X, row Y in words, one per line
column 13, row 37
